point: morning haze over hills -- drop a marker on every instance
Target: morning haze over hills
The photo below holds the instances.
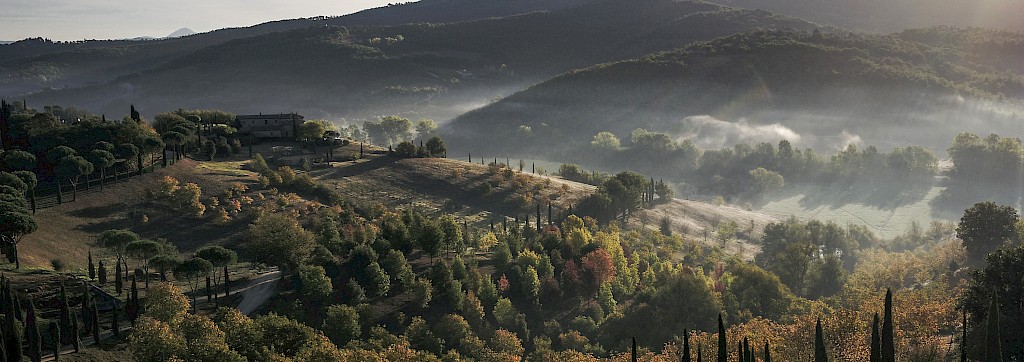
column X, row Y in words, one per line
column 523, row 180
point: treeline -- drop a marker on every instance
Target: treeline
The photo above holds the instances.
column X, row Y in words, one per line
column 545, row 288
column 208, row 133
column 748, row 170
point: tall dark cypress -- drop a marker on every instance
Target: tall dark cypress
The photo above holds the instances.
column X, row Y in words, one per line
column 993, row 339
column 94, row 318
column 92, row 267
column 227, row 282
column 33, row 339
column 686, row 346
column 55, row 337
column 739, row 351
column 746, row 350
column 538, row 217
column 87, row 306
column 723, row 351
column 135, row 115
column 820, row 354
column 118, row 283
column 133, row 302
column 114, row 326
column 3, row 343
column 12, row 337
column 700, row 354
column 16, row 306
column 767, row 352
column 65, row 316
column 876, row 342
column 888, row 338
column 634, row 350
column 963, row 341
column 76, row 338
column 102, row 274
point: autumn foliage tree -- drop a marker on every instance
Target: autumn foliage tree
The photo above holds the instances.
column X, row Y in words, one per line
column 599, row 269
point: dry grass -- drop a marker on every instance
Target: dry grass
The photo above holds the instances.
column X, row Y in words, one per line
column 438, row 185
column 67, row 231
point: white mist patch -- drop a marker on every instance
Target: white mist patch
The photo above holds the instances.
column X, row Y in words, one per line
column 846, row 139
column 709, row 132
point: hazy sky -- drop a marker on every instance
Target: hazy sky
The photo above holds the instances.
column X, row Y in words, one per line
column 116, row 19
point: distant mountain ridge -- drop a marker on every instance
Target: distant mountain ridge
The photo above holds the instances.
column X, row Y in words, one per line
column 180, row 33
column 896, row 15
column 422, row 70
column 34, row 64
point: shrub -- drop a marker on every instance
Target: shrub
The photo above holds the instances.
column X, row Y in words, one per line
column 57, row 264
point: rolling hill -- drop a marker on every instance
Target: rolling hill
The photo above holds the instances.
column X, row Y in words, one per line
column 896, row 15
column 36, row 64
column 425, row 70
column 816, row 90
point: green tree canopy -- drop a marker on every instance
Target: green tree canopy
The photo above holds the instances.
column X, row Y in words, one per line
column 984, row 227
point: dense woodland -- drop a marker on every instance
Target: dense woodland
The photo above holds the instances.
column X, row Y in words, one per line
column 558, row 284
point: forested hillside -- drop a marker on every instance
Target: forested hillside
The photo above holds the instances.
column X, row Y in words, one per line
column 816, row 90
column 436, row 70
column 896, row 15
column 32, row 65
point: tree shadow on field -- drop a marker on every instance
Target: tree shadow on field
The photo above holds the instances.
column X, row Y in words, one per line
column 362, row 167
column 880, row 195
column 100, row 211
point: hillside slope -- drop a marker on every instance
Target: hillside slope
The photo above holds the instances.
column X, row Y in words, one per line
column 896, row 15
column 35, row 64
column 426, row 70
column 816, row 90
column 436, row 186
column 67, row 231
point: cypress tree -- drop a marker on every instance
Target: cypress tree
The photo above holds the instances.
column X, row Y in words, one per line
column 3, row 343
column 133, row 302
column 746, row 350
column 700, row 354
column 686, row 346
column 634, row 350
column 209, row 291
column 739, row 350
column 16, row 306
column 114, row 326
column 722, row 348
column 993, row 343
column 550, row 222
column 538, row 217
column 87, row 305
column 888, row 339
column 820, row 355
column 767, row 352
column 94, row 319
column 963, row 341
column 92, row 267
column 102, row 274
column 12, row 338
column 227, row 282
column 876, row 342
column 76, row 338
column 65, row 316
column 33, row 340
column 55, row 337
column 118, row 283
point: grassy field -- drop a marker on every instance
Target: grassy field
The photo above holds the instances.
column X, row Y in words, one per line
column 67, row 231
column 886, row 217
